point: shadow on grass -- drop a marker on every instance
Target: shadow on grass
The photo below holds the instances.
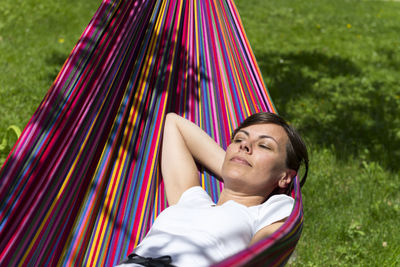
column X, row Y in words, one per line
column 335, row 103
column 54, row 61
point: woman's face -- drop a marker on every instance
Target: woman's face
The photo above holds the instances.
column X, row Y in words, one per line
column 255, row 161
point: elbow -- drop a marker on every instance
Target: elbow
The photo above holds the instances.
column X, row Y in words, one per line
column 171, row 117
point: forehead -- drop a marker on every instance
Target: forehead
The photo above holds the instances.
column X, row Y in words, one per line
column 267, row 129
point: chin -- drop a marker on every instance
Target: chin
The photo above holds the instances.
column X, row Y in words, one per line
column 235, row 179
column 233, row 173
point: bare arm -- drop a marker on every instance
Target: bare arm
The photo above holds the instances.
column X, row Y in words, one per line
column 184, row 143
column 266, row 231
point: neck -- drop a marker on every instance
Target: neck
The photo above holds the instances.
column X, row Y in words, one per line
column 239, row 197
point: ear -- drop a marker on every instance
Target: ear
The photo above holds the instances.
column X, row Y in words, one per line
column 286, row 178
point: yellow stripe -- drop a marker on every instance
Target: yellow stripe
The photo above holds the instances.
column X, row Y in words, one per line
column 228, row 104
column 66, row 181
column 223, row 79
column 122, row 153
column 197, row 63
column 121, row 159
column 92, row 181
column 228, row 44
column 154, row 37
column 187, row 57
column 255, row 65
column 158, row 140
column 111, row 194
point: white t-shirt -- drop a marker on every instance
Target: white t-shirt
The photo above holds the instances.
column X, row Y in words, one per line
column 195, row 232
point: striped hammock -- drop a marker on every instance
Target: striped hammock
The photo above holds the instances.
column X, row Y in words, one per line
column 82, row 185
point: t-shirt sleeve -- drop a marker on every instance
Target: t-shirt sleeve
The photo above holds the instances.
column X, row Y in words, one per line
column 276, row 208
column 195, row 196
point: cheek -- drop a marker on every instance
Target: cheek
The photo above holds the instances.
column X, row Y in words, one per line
column 230, row 148
column 225, row 162
column 270, row 165
column 228, row 152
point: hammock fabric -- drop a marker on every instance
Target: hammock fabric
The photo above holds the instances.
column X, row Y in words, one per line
column 82, row 185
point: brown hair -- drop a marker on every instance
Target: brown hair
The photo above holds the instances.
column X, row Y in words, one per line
column 296, row 150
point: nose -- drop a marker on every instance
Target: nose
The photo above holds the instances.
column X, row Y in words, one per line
column 245, row 146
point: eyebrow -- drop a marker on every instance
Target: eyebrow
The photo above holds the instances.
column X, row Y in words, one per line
column 260, row 137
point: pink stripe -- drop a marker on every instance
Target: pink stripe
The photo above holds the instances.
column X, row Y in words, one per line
column 46, row 154
column 256, row 80
column 210, row 84
column 34, row 130
column 49, row 98
column 216, row 57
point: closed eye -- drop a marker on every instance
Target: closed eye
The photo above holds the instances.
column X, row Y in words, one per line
column 239, row 138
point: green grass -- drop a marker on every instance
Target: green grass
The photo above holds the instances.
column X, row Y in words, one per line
column 35, row 40
column 332, row 69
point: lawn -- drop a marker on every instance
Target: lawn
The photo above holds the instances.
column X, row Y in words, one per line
column 332, row 70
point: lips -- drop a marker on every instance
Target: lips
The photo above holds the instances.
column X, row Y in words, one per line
column 240, row 160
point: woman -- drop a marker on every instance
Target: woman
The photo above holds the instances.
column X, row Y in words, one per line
column 257, row 169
